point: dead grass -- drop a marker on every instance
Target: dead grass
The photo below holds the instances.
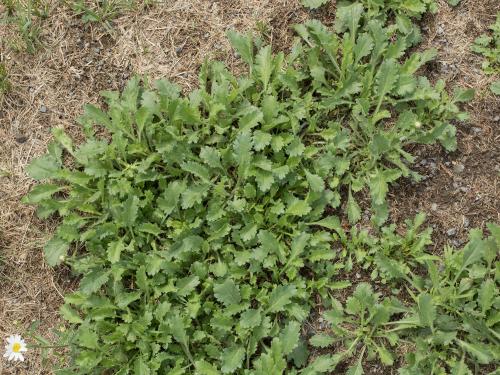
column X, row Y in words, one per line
column 171, row 40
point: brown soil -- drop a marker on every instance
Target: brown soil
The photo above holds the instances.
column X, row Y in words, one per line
column 171, row 40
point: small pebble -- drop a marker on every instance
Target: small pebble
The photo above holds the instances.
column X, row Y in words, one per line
column 43, row 109
column 466, row 222
column 236, row 55
column 434, row 207
column 458, row 168
column 451, row 232
column 178, row 50
column 358, row 275
column 497, row 118
column 21, row 139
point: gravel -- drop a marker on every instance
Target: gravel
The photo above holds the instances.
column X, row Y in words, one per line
column 458, row 168
column 451, row 232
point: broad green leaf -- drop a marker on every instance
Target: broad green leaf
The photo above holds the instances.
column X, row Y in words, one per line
column 41, row 192
column 63, row 139
column 250, row 318
column 93, row 281
column 263, row 65
column 330, row 222
column 316, row 183
column 386, row 77
column 140, row 367
column 313, row 4
column 289, row 337
column 462, row 96
column 55, row 251
column 232, row 359
column 70, row 315
column 88, row 338
column 227, row 293
column 357, row 368
column 480, row 351
column 43, row 167
column 348, row 17
column 378, row 187
column 280, row 297
column 495, row 87
column 426, row 310
column 353, row 209
column 115, row 249
column 385, row 356
column 322, row 340
column 187, row 285
column 243, row 45
column 298, row 208
column 205, row 368
column 486, row 295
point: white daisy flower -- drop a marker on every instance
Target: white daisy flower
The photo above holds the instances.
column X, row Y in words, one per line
column 14, row 348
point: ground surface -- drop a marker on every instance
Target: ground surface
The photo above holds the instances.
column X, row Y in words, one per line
column 171, row 40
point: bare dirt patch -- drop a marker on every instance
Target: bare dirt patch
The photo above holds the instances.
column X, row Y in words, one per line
column 461, row 190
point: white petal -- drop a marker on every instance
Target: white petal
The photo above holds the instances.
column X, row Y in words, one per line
column 11, row 356
column 6, row 354
column 10, row 339
column 23, row 349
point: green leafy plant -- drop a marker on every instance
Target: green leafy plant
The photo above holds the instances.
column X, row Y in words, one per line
column 367, row 250
column 27, row 16
column 201, row 225
column 489, row 47
column 361, row 328
column 103, row 11
column 182, row 188
column 451, row 324
column 400, row 12
column 372, row 106
column 455, row 319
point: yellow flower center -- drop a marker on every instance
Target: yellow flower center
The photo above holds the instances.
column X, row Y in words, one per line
column 16, row 348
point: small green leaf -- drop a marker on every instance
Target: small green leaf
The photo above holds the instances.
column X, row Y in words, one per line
column 462, row 96
column 316, row 183
column 114, row 250
column 70, row 315
column 495, row 87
